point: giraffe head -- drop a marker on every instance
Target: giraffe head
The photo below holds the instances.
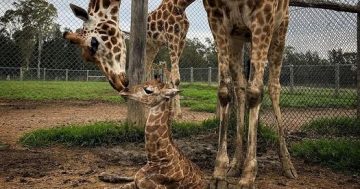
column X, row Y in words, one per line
column 101, row 39
column 151, row 93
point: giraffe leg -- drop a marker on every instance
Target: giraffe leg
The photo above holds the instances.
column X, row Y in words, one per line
column 236, row 65
column 250, row 164
column 175, row 52
column 275, row 59
column 151, row 52
column 260, row 43
column 222, row 159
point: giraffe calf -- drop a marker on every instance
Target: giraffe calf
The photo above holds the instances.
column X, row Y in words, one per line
column 166, row 167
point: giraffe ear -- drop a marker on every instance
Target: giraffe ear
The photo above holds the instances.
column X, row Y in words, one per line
column 79, row 12
column 169, row 93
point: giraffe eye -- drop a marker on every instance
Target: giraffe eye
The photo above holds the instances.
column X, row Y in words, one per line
column 147, row 91
column 94, row 44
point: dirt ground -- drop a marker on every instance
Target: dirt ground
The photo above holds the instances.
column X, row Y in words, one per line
column 76, row 167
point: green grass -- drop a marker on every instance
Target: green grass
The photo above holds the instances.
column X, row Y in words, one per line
column 101, row 133
column 104, row 133
column 339, row 154
column 185, row 129
column 198, row 97
column 335, row 126
column 109, row 133
column 57, row 90
column 315, row 97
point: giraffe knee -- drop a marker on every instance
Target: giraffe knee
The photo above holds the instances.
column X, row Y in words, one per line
column 254, row 95
column 223, row 95
column 177, row 82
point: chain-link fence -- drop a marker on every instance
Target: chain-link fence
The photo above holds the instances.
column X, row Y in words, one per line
column 318, row 77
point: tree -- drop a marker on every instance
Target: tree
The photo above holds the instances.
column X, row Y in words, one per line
column 31, row 22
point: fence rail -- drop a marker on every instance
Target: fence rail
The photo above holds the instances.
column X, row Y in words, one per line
column 336, row 76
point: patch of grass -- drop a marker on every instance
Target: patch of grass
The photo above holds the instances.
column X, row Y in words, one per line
column 315, row 98
column 58, row 90
column 105, row 133
column 199, row 97
column 101, row 133
column 339, row 154
column 335, row 126
column 185, row 129
column 266, row 135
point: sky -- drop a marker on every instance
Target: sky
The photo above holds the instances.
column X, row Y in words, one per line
column 309, row 29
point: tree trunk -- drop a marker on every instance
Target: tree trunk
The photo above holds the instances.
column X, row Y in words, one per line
column 136, row 112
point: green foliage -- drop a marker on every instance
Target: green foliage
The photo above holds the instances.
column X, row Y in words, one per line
column 38, row 90
column 101, row 133
column 30, row 22
column 335, row 126
column 340, row 154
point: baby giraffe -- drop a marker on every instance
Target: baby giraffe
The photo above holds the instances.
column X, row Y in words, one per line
column 166, row 167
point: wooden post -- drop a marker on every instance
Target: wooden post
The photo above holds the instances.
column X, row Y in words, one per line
column 291, row 78
column 191, row 75
column 87, row 75
column 136, row 72
column 358, row 64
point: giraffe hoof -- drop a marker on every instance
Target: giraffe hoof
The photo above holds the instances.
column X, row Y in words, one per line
column 218, row 183
column 289, row 169
column 291, row 173
column 246, row 184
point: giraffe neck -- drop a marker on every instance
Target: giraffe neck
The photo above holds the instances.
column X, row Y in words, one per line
column 181, row 4
column 105, row 9
column 158, row 140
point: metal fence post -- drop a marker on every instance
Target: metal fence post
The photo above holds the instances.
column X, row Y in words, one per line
column 337, row 79
column 44, row 74
column 87, row 75
column 292, row 78
column 66, row 74
column 209, row 76
column 21, row 74
column 191, row 75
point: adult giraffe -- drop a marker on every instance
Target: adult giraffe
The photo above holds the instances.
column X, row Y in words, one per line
column 101, row 40
column 167, row 26
column 264, row 24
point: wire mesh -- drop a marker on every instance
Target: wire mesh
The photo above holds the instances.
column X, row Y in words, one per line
column 318, row 77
